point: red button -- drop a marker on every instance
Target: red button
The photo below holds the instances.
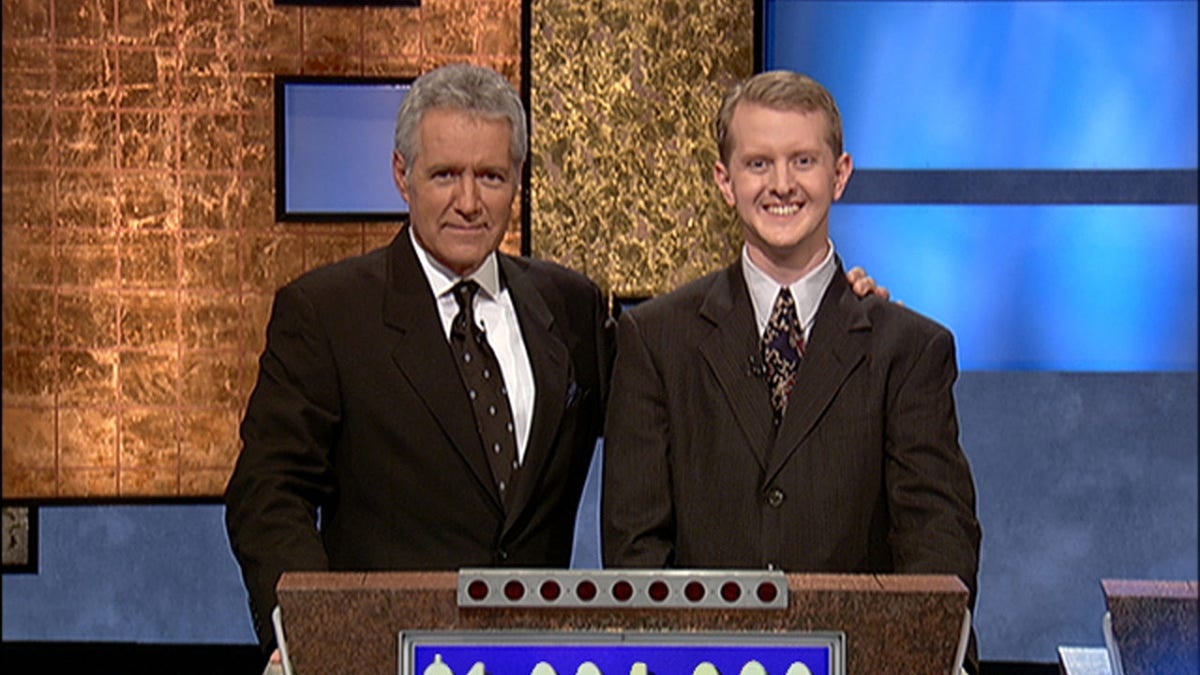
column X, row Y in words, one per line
column 550, row 589
column 767, row 592
column 514, row 590
column 731, row 591
column 478, row 589
column 694, row 591
column 585, row 591
column 622, row 590
column 659, row 591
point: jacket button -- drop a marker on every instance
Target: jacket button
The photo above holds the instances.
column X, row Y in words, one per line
column 775, row 497
column 501, row 554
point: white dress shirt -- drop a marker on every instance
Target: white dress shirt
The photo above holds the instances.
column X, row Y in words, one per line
column 807, row 291
column 495, row 313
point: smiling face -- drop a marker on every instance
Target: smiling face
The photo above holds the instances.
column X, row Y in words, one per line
column 782, row 177
column 461, row 186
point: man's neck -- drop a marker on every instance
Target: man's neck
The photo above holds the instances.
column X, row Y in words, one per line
column 786, row 270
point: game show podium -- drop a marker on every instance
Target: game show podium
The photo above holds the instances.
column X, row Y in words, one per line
column 859, row 624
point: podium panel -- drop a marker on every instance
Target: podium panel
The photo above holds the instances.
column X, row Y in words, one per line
column 1154, row 626
column 346, row 622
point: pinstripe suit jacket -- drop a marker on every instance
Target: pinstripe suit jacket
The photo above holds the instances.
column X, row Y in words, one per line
column 359, row 412
column 865, row 473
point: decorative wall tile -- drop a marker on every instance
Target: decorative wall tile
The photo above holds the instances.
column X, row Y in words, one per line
column 87, row 377
column 85, row 77
column 210, row 378
column 29, row 317
column 88, row 258
column 149, row 379
column 84, row 483
column 149, row 439
column 149, row 259
column 28, row 198
column 210, row 261
column 26, row 20
column 149, row 140
column 212, row 321
column 86, row 138
column 82, row 21
column 87, row 438
column 85, row 318
column 210, row 438
column 29, row 438
column 28, row 71
column 86, row 199
column 141, row 250
column 211, row 81
column 27, row 137
column 37, row 261
column 148, row 78
column 210, row 142
column 209, row 25
column 148, row 482
column 269, row 27
column 211, row 201
column 29, row 483
column 333, row 29
column 148, row 320
column 30, row 377
column 148, row 22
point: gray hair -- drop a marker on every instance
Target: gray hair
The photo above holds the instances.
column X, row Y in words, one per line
column 475, row 90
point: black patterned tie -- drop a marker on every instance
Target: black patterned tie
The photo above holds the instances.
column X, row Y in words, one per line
column 782, row 347
column 485, row 386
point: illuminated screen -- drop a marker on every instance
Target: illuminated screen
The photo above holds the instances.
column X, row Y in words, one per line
column 334, row 148
column 568, row 653
column 1025, row 171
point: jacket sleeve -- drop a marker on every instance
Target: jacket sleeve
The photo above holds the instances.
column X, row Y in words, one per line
column 637, row 513
column 283, row 475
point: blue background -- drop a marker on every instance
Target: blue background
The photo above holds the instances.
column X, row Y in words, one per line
column 1025, row 85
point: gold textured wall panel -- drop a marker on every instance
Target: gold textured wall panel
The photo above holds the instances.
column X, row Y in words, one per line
column 140, row 246
column 624, row 93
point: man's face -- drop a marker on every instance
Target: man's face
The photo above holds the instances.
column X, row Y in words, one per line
column 461, row 187
column 782, row 177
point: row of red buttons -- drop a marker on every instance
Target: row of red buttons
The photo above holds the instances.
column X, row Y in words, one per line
column 622, row 591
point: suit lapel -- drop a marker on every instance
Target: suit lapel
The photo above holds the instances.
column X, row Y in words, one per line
column 551, row 364
column 731, row 351
column 424, row 357
column 839, row 340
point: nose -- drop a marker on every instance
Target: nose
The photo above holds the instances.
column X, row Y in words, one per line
column 782, row 182
column 466, row 199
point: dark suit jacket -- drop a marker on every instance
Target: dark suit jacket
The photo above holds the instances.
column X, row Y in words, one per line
column 866, row 473
column 359, row 412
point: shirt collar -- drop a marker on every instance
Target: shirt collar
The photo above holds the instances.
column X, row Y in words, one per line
column 442, row 279
column 807, row 290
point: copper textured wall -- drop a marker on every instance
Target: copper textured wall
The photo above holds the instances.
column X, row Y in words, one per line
column 623, row 97
column 140, row 246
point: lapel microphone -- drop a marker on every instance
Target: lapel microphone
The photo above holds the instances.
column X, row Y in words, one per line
column 755, row 367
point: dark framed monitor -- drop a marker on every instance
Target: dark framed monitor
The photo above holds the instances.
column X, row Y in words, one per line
column 1019, row 176
column 333, row 148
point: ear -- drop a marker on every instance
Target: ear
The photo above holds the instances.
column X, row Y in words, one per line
column 400, row 175
column 842, row 170
column 721, row 176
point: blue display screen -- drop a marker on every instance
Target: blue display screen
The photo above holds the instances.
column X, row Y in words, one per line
column 610, row 654
column 335, row 150
column 1067, row 133
column 1003, row 85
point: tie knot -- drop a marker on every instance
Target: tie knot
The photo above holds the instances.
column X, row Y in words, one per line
column 464, row 293
column 783, row 314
